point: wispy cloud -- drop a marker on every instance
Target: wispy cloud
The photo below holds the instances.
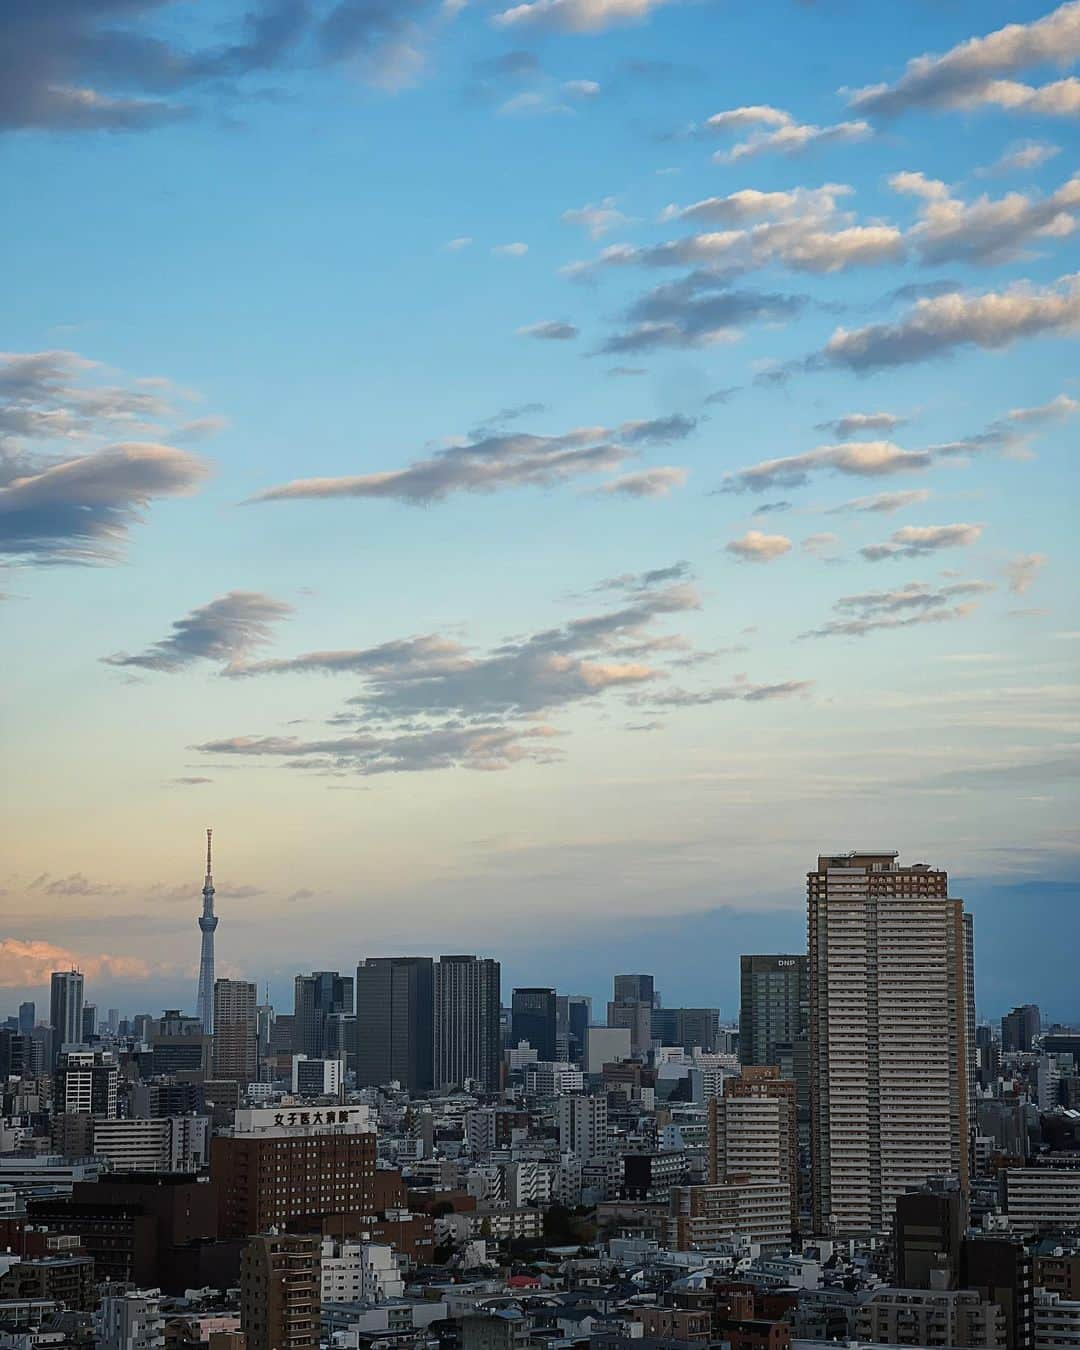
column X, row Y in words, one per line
column 575, row 16
column 883, row 503
column 971, row 73
column 936, row 327
column 857, row 424
column 658, row 482
column 779, row 133
column 550, row 330
column 905, row 607
column 916, row 541
column 497, row 461
column 1022, row 571
column 227, row 630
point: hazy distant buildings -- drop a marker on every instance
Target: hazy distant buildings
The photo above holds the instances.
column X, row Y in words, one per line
column 65, row 1009
column 687, row 1027
column 467, row 1000
column 316, row 998
column 534, row 1020
column 179, row 1045
column 395, row 1021
column 889, row 987
column 27, row 1017
column 235, row 1031
column 774, row 1014
column 1019, row 1028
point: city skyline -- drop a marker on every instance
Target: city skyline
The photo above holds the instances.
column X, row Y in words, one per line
column 531, row 476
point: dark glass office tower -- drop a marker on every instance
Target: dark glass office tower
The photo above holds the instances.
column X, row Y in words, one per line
column 534, row 1020
column 394, row 1021
column 317, row 997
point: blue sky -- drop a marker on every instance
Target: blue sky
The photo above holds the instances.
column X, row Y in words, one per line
column 527, row 474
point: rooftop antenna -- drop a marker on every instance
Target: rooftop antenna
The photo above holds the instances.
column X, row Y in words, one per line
column 209, row 839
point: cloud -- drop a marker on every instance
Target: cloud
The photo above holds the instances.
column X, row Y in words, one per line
column 74, row 885
column 189, row 780
column 429, row 702
column 656, row 482
column 698, row 311
column 749, row 204
column 988, row 231
column 1022, row 571
column 75, row 67
column 516, row 250
column 741, row 691
column 575, row 16
column 820, row 545
column 581, row 88
column 29, row 962
column 597, row 219
column 905, row 607
column 883, row 503
column 1057, row 410
column 501, row 460
column 626, row 372
column 81, row 510
column 860, row 459
column 853, row 424
column 771, row 508
column 227, row 629
column 1021, row 158
column 456, row 245
column 992, row 321
column 631, row 582
column 969, row 74
column 550, row 330
column 916, row 541
column 785, row 136
column 757, row 547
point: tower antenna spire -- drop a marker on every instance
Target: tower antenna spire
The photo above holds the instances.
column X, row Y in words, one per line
column 209, row 840
column 207, row 924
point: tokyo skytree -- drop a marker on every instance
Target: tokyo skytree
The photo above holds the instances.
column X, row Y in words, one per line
column 204, row 1004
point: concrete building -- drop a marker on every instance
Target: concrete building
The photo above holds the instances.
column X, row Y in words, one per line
column 704, row 1217
column 889, row 1063
column 276, row 1168
column 86, row 1083
column 634, row 989
column 65, row 1009
column 606, row 1045
column 583, row 1127
column 131, row 1321
column 546, row 1080
column 929, row 1318
column 1019, row 1029
column 316, row 1077
column 753, row 1132
column 69, row 1279
column 180, row 1046
column 155, row 1144
column 533, row 1020
column 1041, row 1198
column 637, row 1018
column 394, row 1022
column 235, row 1053
column 355, row 1271
column 467, row 1000
column 1057, row 1321
column 281, row 1292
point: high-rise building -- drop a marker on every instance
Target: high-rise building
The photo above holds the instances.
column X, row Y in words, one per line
column 635, row 989
column 753, row 1132
column 533, row 1012
column 65, row 1009
column 235, row 1031
column 583, row 1126
column 467, row 991
column 889, row 1062
column 86, row 1083
column 294, row 1166
column 317, row 998
column 14, row 1054
column 394, row 1021
column 281, row 1291
column 89, row 1022
column 774, row 1015
column 573, row 1013
column 688, row 1027
column 179, row 1044
column 27, row 1017
column 204, row 1002
column 1019, row 1028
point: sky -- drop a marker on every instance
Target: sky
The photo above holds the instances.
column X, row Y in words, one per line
column 531, row 477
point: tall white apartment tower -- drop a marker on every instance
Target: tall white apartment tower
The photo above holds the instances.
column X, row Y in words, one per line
column 891, row 977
